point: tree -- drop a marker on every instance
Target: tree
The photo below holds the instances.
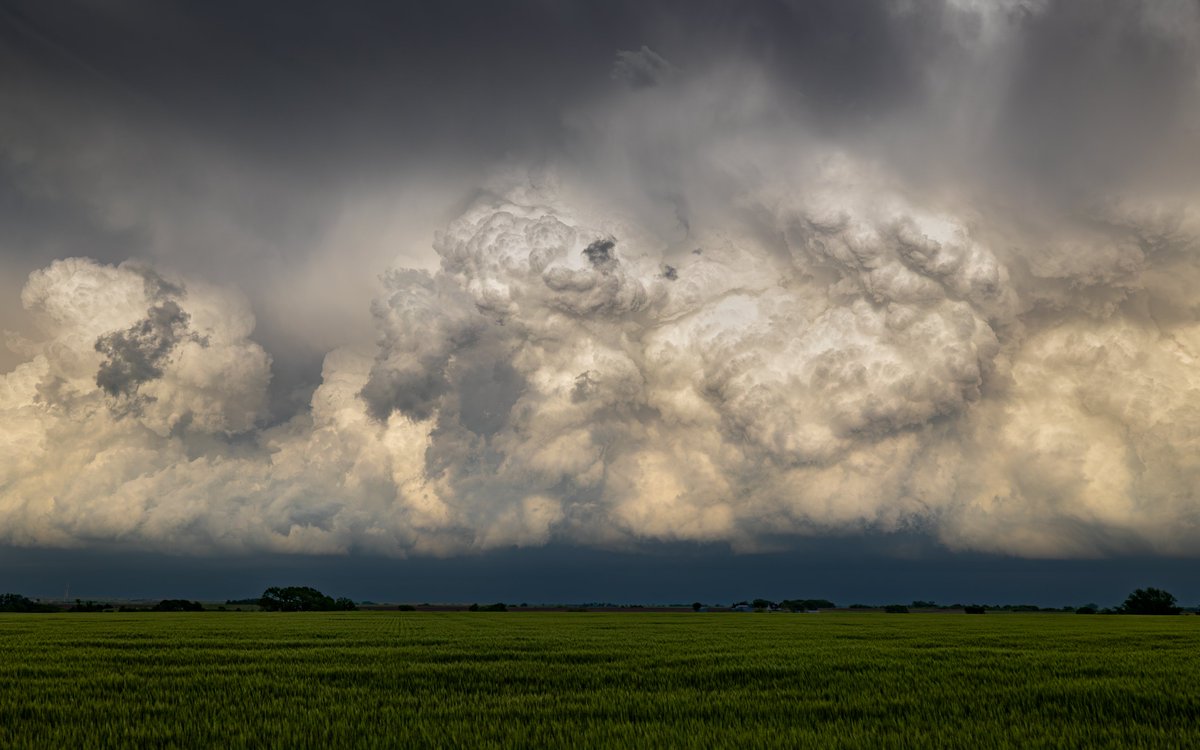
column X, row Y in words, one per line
column 697, row 606
column 1150, row 601
column 300, row 599
column 18, row 603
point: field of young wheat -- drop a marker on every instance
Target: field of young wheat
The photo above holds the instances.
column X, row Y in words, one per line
column 412, row 679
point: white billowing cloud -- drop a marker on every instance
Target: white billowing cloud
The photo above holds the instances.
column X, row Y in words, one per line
column 179, row 463
column 213, row 378
column 75, row 453
column 561, row 378
column 1095, row 449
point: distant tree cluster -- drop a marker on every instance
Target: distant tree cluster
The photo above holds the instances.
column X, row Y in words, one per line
column 805, row 605
column 1149, row 601
column 178, row 605
column 301, row 599
column 497, row 607
column 18, row 603
column 788, row 605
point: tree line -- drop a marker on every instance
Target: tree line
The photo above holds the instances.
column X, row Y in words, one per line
column 274, row 599
column 1147, row 601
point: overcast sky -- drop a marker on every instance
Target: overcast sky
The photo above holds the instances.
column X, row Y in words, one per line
column 710, row 288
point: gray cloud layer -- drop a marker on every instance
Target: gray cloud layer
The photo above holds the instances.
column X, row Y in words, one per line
column 746, row 273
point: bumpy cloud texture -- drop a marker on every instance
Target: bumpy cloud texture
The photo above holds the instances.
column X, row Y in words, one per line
column 715, row 318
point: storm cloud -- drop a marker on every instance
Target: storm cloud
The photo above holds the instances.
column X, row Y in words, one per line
column 698, row 273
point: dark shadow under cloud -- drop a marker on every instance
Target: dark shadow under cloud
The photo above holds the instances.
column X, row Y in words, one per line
column 845, row 570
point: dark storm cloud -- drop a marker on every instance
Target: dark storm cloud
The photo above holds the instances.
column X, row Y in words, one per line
column 312, row 87
column 156, row 287
column 278, row 80
column 136, row 355
column 1096, row 89
column 850, row 63
column 423, row 323
column 487, row 395
column 414, row 393
column 599, row 253
column 642, row 68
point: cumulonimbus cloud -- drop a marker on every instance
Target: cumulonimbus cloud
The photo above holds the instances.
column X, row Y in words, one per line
column 552, row 381
column 732, row 327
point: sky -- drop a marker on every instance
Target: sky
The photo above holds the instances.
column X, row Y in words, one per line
column 601, row 301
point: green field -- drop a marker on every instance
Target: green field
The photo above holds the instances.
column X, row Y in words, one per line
column 386, row 679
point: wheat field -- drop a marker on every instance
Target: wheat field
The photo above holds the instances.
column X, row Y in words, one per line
column 554, row 679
